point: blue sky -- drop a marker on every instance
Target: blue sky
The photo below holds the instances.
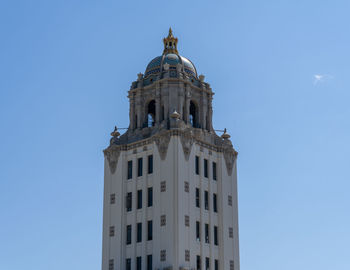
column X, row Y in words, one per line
column 280, row 71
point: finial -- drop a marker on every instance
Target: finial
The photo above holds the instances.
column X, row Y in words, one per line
column 225, row 136
column 115, row 132
column 170, row 43
column 170, row 32
column 175, row 115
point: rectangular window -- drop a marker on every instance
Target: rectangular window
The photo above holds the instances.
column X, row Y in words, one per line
column 206, row 233
column 187, row 255
column 138, row 263
column 111, row 265
column 129, row 169
column 162, row 220
column 139, row 199
column 232, row 265
column 198, row 199
column 214, row 170
column 187, row 221
column 207, row 263
column 112, row 198
column 139, row 232
column 198, row 231
column 150, row 197
column 163, row 255
column 230, row 232
column 215, row 235
column 149, row 262
column 229, row 200
column 215, row 204
column 198, row 263
column 149, row 230
column 206, row 168
column 139, row 167
column 111, row 231
column 129, row 201
column 128, row 264
column 206, row 200
column 162, row 186
column 187, row 187
column 150, row 164
column 197, row 165
column 128, row 234
column 216, row 265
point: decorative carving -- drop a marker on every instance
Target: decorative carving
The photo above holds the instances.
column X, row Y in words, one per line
column 186, row 141
column 162, row 141
column 112, row 154
column 229, row 155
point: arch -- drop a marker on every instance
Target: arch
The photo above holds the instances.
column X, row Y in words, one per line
column 151, row 113
column 193, row 116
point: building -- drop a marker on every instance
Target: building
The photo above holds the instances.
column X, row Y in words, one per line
column 170, row 185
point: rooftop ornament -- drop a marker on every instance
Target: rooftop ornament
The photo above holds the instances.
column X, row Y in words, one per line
column 170, row 43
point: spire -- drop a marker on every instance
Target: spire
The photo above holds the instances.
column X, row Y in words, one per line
column 170, row 43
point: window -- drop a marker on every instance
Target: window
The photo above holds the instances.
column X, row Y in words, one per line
column 162, row 186
column 216, row 265
column 138, row 263
column 163, row 255
column 139, row 199
column 214, row 170
column 129, row 169
column 207, row 263
column 128, row 234
column 198, row 199
column 162, row 220
column 128, row 264
column 187, row 255
column 187, row 187
column 206, row 233
column 187, row 221
column 139, row 167
column 215, row 235
column 111, row 231
column 232, row 265
column 198, row 231
column 111, row 264
column 193, row 115
column 198, row 263
column 149, row 262
column 197, row 165
column 151, row 113
column 150, row 164
column 139, row 232
column 215, row 205
column 129, row 201
column 112, row 199
column 149, row 230
column 229, row 200
column 230, row 232
column 206, row 168
column 206, row 200
column 150, row 197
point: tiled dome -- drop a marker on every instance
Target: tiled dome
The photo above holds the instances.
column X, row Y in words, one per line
column 156, row 65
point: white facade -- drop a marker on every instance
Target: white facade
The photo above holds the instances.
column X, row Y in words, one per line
column 175, row 141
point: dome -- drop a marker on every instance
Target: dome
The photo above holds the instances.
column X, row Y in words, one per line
column 173, row 59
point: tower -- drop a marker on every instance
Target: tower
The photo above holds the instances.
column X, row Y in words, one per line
column 170, row 184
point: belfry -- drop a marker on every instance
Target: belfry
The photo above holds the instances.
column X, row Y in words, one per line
column 170, row 182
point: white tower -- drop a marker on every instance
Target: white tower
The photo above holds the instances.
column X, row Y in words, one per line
column 170, row 185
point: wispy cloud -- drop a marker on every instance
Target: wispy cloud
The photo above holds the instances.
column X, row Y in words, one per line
column 319, row 78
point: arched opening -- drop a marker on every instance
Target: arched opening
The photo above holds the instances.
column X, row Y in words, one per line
column 193, row 115
column 151, row 113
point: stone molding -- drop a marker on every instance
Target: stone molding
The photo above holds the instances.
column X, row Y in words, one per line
column 112, row 154
column 162, row 140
